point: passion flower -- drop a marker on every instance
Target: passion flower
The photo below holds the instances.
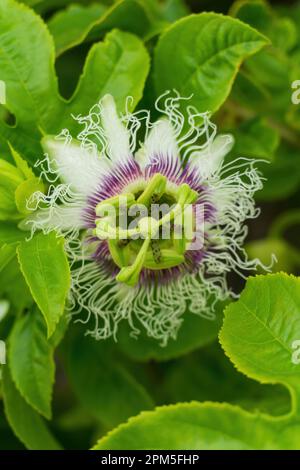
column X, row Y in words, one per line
column 132, row 265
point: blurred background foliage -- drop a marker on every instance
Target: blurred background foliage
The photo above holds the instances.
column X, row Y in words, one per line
column 100, row 384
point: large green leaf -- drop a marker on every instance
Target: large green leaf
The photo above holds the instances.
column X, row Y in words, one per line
column 28, row 426
column 257, row 335
column 45, row 268
column 27, row 66
column 31, row 361
column 209, row 50
column 118, row 66
column 259, row 329
column 104, row 387
column 201, row 427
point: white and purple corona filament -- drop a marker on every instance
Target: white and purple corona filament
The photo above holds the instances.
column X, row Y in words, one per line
column 133, row 271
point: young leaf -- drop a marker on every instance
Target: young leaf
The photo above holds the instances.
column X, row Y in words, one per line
column 21, row 164
column 31, row 84
column 174, row 9
column 255, row 139
column 210, row 49
column 118, row 66
column 103, row 386
column 77, row 23
column 9, row 233
column 282, row 31
column 135, row 16
column 24, row 191
column 45, row 268
column 70, row 27
column 259, row 330
column 27, row 425
column 31, row 361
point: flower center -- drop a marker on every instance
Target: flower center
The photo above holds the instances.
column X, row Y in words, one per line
column 150, row 228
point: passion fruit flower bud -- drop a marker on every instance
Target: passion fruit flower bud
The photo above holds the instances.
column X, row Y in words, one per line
column 133, row 217
column 17, row 183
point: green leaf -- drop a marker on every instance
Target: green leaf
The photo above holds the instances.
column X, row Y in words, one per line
column 197, row 426
column 135, row 16
column 7, row 253
column 70, row 27
column 21, row 164
column 14, row 287
column 78, row 23
column 259, row 330
column 31, row 361
column 288, row 257
column 24, row 191
column 284, row 222
column 282, row 177
column 118, row 66
column 31, row 84
column 271, row 69
column 258, row 14
column 25, row 139
column 59, row 332
column 27, row 425
column 210, row 48
column 255, row 139
column 30, row 3
column 11, row 177
column 195, row 332
column 174, row 9
column 103, row 386
column 249, row 92
column 45, row 268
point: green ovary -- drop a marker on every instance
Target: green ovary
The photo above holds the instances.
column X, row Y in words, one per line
column 145, row 241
